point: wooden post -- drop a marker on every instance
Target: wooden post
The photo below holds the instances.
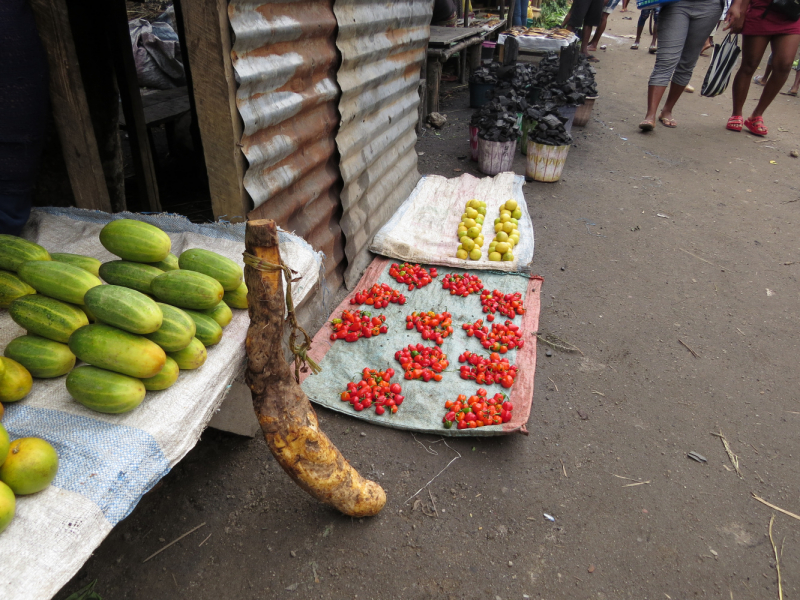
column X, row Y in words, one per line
column 119, row 42
column 70, row 108
column 510, row 19
column 208, row 48
column 433, row 77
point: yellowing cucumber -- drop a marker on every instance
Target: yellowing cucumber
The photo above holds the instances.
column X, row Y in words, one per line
column 168, row 264
column 16, row 381
column 48, row 317
column 221, row 268
column 105, row 391
column 42, row 358
column 87, row 263
column 237, row 298
column 14, row 251
column 129, row 274
column 116, row 350
column 187, row 289
column 167, row 376
column 221, row 313
column 11, row 288
column 208, row 330
column 135, row 240
column 58, row 280
column 177, row 329
column 124, row 308
column 191, row 357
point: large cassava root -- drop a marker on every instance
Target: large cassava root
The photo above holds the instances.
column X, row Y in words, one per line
column 287, row 419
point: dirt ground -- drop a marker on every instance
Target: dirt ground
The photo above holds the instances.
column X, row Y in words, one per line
column 671, row 259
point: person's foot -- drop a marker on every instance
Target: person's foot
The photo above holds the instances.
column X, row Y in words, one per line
column 592, row 59
column 667, row 121
column 755, row 125
column 735, row 123
column 652, row 49
column 648, row 124
column 792, row 92
column 635, row 46
column 689, row 89
column 759, row 80
column 592, row 47
column 707, row 47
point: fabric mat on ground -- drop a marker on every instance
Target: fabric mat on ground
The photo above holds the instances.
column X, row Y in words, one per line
column 108, row 462
column 423, row 230
column 423, row 407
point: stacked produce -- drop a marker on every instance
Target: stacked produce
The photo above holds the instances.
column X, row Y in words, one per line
column 353, row 325
column 477, row 411
column 414, row 276
column 550, row 130
column 469, row 230
column 155, row 317
column 375, row 388
column 496, row 121
column 27, row 465
column 506, row 232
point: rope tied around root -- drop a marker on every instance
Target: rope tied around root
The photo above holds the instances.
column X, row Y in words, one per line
column 301, row 358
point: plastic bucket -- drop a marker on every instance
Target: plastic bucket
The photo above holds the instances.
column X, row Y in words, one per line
column 479, row 94
column 584, row 113
column 495, row 157
column 473, row 143
column 527, row 125
column 545, row 163
column 568, row 112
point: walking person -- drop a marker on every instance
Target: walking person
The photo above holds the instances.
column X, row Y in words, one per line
column 583, row 16
column 683, row 28
column 598, row 33
column 760, row 27
column 643, row 16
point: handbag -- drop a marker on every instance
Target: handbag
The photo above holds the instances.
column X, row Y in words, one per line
column 788, row 8
column 718, row 75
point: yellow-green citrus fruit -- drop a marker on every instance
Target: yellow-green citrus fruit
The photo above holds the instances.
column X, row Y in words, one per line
column 8, row 504
column 498, row 227
column 471, row 213
column 30, row 466
column 479, row 241
column 475, row 254
column 502, row 247
column 508, row 256
column 481, row 210
column 469, row 223
column 473, row 232
column 494, row 256
column 5, row 442
column 462, row 254
column 501, row 236
column 508, row 227
column 504, row 218
column 516, row 214
column 511, row 205
column 505, row 212
column 467, row 244
column 16, row 381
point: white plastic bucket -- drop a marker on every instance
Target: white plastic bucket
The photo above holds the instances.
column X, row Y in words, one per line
column 473, row 143
column 545, row 162
column 495, row 157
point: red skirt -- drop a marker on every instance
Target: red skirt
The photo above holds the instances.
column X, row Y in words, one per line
column 771, row 22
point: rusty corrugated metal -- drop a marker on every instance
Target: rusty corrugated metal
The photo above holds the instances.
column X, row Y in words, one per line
column 285, row 61
column 382, row 46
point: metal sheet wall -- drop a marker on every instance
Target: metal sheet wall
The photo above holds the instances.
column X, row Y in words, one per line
column 285, row 61
column 382, row 46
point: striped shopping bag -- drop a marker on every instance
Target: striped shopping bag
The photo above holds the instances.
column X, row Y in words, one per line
column 719, row 71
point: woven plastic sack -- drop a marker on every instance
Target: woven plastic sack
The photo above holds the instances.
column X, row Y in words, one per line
column 108, row 462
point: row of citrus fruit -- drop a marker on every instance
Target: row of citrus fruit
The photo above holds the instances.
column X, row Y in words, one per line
column 470, row 231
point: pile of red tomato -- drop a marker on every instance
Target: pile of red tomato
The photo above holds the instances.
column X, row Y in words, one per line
column 502, row 337
column 487, row 370
column 357, row 324
column 509, row 305
column 374, row 389
column 462, row 285
column 477, row 411
column 412, row 275
column 433, row 326
column 378, row 296
column 421, row 362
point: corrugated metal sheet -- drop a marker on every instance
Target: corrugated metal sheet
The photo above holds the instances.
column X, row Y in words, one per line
column 382, row 46
column 285, row 62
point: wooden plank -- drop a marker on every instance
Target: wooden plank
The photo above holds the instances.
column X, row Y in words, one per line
column 119, row 42
column 444, row 36
column 70, row 109
column 208, row 48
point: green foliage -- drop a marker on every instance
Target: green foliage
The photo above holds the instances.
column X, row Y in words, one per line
column 553, row 13
column 86, row 593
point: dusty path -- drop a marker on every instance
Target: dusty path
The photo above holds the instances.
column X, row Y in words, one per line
column 718, row 272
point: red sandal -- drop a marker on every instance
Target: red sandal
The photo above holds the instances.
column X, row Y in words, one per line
column 756, row 126
column 735, row 123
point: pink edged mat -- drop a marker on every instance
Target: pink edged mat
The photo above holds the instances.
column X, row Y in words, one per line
column 423, row 408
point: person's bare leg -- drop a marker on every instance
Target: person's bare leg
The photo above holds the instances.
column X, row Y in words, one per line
column 638, row 37
column 796, row 86
column 598, row 33
column 585, row 35
column 675, row 92
column 753, row 47
column 784, row 48
column 624, row 6
column 654, row 95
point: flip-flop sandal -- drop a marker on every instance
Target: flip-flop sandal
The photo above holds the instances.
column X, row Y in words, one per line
column 759, row 80
column 646, row 126
column 756, row 126
column 652, row 49
column 735, row 123
column 668, row 122
column 592, row 59
column 634, row 46
column 788, row 93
